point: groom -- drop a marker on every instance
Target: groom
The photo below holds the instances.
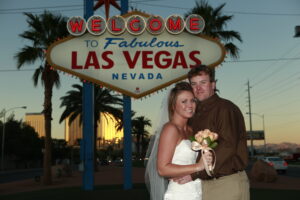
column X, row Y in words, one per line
column 229, row 181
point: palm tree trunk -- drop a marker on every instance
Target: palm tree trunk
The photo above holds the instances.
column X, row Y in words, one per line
column 47, row 179
column 142, row 146
column 138, row 144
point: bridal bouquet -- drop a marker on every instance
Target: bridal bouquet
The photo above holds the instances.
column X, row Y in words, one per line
column 205, row 141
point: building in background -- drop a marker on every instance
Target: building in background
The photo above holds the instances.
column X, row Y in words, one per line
column 107, row 133
column 73, row 131
column 37, row 121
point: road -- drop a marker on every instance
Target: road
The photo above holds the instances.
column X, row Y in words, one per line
column 293, row 171
column 18, row 175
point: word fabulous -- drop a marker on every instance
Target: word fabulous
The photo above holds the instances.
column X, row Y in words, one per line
column 135, row 25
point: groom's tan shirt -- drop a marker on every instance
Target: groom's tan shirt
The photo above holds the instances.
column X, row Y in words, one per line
column 224, row 118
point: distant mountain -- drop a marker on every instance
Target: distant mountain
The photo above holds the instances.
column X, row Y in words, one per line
column 282, row 147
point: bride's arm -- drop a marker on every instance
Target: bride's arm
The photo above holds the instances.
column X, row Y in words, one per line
column 166, row 148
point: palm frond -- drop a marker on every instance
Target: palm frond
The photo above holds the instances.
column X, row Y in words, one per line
column 36, row 75
column 220, row 22
column 56, row 79
column 218, row 10
column 105, row 103
column 215, row 25
column 232, row 49
column 28, row 55
column 229, row 35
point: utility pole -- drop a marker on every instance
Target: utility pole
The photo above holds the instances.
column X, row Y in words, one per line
column 263, row 127
column 250, row 118
column 265, row 143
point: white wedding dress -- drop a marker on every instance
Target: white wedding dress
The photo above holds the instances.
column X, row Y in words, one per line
column 184, row 155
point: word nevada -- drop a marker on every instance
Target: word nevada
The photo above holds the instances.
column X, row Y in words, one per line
column 135, row 24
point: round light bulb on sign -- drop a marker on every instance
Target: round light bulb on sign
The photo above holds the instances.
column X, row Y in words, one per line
column 175, row 24
column 136, row 25
column 194, row 24
column 76, row 25
column 155, row 25
column 96, row 25
column 116, row 25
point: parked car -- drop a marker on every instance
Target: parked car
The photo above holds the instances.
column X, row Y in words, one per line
column 278, row 163
column 104, row 162
column 296, row 156
column 118, row 162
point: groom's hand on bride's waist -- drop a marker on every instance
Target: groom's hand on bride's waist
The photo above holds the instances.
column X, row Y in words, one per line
column 183, row 179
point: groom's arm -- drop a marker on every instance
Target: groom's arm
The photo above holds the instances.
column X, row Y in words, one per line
column 200, row 174
column 183, row 179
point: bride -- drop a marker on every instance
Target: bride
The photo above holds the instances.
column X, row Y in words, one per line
column 171, row 154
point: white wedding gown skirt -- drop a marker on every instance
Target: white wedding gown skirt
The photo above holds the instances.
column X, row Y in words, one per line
column 184, row 155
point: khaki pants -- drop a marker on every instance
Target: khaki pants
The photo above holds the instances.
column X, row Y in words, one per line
column 232, row 187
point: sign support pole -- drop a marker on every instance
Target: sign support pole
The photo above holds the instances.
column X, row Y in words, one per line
column 127, row 170
column 87, row 146
column 127, row 127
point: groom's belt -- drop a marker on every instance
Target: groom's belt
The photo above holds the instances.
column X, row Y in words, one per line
column 220, row 176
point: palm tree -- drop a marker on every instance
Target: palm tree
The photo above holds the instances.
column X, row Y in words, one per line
column 43, row 30
column 104, row 101
column 215, row 24
column 100, row 141
column 139, row 125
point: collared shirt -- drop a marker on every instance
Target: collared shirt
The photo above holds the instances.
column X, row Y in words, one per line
column 224, row 118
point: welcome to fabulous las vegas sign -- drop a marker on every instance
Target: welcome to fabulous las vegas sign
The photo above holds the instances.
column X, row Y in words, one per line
column 135, row 54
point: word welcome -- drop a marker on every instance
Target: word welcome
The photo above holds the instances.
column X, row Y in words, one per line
column 135, row 24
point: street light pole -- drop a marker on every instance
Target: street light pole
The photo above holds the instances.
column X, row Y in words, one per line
column 3, row 138
column 250, row 120
column 3, row 133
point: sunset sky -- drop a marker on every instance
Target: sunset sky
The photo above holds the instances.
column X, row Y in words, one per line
column 269, row 59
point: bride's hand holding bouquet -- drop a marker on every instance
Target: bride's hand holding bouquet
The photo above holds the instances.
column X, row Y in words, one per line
column 205, row 141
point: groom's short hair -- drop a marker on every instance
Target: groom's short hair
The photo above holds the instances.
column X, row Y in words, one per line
column 202, row 69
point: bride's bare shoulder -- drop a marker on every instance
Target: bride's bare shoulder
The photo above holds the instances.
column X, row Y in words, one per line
column 169, row 125
column 170, row 128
